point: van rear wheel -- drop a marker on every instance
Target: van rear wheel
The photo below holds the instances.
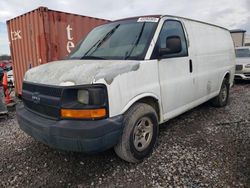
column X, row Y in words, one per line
column 139, row 135
column 222, row 99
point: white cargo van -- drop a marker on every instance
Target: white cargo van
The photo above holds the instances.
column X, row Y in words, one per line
column 123, row 80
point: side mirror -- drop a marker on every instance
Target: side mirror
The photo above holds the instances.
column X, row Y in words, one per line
column 173, row 45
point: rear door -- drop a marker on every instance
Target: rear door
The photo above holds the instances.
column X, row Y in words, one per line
column 175, row 72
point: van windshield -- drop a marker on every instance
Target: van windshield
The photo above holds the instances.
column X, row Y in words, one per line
column 127, row 39
column 243, row 52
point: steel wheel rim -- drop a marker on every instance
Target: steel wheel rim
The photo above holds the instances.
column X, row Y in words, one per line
column 143, row 133
column 224, row 93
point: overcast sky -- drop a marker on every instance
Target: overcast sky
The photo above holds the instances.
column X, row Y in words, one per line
column 232, row 14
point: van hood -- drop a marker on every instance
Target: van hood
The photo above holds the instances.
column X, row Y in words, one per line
column 79, row 71
column 243, row 60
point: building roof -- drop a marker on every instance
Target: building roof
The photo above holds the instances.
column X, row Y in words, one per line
column 237, row 31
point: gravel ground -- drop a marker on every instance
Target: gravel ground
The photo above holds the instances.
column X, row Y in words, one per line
column 205, row 147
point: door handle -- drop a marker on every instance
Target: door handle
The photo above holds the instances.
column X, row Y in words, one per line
column 190, row 65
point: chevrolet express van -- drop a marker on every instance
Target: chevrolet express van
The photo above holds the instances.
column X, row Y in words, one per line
column 123, row 80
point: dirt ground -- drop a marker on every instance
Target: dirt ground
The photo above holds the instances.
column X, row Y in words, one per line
column 205, row 147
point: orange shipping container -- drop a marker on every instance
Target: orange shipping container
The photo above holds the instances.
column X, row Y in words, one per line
column 44, row 35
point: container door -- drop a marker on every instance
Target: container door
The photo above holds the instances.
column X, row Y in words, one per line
column 175, row 71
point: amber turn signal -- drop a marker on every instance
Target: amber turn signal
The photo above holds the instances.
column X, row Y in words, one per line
column 83, row 114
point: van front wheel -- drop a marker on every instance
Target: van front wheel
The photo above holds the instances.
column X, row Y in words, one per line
column 139, row 134
column 222, row 99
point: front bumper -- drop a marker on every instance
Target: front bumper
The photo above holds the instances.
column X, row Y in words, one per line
column 71, row 135
column 242, row 76
column 242, row 72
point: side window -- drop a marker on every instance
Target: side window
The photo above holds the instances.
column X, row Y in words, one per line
column 172, row 28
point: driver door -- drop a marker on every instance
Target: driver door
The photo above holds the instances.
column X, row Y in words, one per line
column 176, row 73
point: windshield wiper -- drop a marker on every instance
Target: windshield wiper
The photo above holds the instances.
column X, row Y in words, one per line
column 128, row 53
column 91, row 48
column 100, row 42
column 91, row 57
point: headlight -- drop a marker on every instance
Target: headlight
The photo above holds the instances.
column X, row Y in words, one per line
column 83, row 96
column 247, row 66
column 84, row 102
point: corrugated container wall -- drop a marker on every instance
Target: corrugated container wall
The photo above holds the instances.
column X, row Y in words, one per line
column 44, row 35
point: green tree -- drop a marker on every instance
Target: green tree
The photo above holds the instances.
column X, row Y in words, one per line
column 5, row 57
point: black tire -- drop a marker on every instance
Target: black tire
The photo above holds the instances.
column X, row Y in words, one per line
column 222, row 99
column 127, row 149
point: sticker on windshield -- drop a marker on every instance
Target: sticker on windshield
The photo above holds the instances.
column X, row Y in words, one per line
column 148, row 19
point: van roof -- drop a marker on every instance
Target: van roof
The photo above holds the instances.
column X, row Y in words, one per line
column 171, row 16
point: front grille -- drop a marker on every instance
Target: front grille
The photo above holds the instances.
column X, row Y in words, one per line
column 43, row 89
column 48, row 111
column 239, row 67
column 43, row 100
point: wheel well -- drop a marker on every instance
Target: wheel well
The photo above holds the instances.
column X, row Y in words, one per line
column 227, row 76
column 152, row 102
